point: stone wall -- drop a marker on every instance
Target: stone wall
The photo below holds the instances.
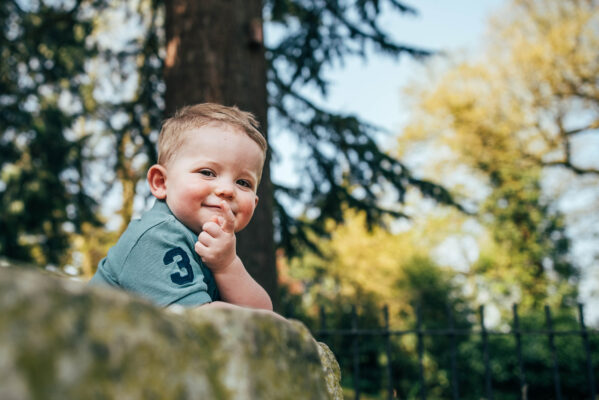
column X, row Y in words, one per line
column 60, row 339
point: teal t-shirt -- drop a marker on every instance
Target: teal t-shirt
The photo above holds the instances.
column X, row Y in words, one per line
column 155, row 258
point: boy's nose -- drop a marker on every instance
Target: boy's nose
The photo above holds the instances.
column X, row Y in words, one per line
column 224, row 190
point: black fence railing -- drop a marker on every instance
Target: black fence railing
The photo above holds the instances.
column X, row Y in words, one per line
column 350, row 356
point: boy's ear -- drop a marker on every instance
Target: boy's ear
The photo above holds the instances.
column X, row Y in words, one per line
column 157, row 181
column 256, row 203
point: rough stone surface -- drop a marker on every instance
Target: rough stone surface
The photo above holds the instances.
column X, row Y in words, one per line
column 60, row 339
column 332, row 372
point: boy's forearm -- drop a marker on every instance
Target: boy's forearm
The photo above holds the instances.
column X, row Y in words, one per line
column 228, row 306
column 236, row 286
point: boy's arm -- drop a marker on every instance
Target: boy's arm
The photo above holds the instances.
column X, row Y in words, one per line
column 236, row 286
column 217, row 246
column 228, row 306
column 225, row 306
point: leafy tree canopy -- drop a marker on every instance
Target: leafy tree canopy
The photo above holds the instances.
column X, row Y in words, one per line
column 45, row 94
column 509, row 117
column 346, row 167
column 96, row 102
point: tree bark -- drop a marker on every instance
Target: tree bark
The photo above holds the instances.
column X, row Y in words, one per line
column 215, row 53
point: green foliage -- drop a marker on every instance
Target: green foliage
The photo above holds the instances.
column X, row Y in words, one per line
column 504, row 118
column 524, row 226
column 366, row 269
column 435, row 295
column 537, row 358
column 54, row 48
column 42, row 85
column 510, row 117
column 431, row 288
column 345, row 168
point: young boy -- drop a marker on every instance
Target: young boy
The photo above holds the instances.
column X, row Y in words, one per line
column 182, row 251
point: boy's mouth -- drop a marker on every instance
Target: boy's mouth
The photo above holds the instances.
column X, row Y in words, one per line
column 216, row 207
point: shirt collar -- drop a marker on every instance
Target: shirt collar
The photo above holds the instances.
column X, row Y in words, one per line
column 161, row 207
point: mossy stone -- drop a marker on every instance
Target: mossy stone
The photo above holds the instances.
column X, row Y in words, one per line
column 60, row 339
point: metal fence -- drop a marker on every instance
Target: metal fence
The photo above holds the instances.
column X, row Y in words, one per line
column 357, row 335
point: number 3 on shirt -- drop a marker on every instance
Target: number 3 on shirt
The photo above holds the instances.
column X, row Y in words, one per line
column 183, row 263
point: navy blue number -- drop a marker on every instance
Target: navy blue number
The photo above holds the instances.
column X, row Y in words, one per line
column 183, row 264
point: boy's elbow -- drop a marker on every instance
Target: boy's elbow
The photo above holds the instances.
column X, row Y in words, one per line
column 261, row 303
column 268, row 305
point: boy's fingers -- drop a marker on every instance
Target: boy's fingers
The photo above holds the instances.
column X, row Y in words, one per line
column 204, row 238
column 212, row 228
column 201, row 250
column 228, row 223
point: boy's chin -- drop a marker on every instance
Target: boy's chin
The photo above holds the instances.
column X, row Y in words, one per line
column 204, row 218
column 207, row 215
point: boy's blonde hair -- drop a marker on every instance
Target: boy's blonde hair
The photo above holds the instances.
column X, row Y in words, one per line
column 192, row 117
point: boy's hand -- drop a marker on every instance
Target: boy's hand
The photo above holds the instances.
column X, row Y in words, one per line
column 216, row 243
column 216, row 246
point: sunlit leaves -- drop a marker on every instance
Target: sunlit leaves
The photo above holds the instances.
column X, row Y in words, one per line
column 507, row 116
column 44, row 50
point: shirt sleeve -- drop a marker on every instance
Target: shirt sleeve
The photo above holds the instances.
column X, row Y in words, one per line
column 163, row 267
column 103, row 277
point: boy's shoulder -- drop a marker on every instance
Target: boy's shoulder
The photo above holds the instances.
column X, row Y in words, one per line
column 157, row 228
column 158, row 221
column 155, row 257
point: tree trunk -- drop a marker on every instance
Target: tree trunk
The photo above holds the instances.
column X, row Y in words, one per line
column 215, row 54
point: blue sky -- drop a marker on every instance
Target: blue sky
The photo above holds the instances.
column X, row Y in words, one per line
column 372, row 89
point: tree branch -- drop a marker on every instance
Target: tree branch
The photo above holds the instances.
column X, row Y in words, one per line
column 572, row 132
column 567, row 164
column 377, row 37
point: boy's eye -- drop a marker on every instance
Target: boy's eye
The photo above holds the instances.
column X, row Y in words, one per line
column 206, row 172
column 244, row 183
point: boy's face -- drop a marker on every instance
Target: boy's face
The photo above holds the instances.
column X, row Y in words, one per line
column 214, row 163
